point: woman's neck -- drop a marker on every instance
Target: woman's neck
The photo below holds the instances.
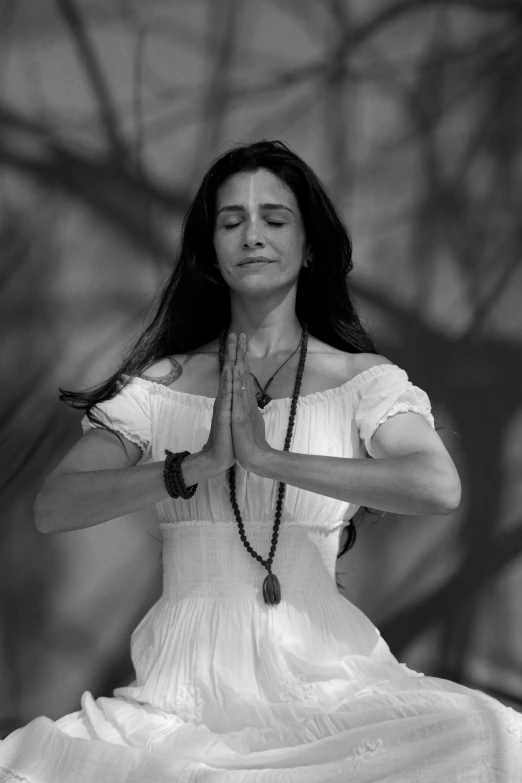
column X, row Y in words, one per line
column 268, row 338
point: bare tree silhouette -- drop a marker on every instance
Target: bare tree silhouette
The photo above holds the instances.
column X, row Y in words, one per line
column 451, row 153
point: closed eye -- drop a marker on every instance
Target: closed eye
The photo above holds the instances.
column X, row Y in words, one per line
column 277, row 223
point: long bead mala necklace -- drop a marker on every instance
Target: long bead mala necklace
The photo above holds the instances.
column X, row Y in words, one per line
column 271, row 585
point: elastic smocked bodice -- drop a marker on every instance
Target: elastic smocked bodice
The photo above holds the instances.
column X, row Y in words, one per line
column 209, row 559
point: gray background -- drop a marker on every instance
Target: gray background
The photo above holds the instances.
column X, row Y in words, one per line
column 411, row 113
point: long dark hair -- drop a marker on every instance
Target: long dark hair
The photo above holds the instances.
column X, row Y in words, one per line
column 196, row 286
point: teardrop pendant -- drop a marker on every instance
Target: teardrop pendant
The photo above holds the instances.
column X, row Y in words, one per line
column 272, row 590
column 262, row 399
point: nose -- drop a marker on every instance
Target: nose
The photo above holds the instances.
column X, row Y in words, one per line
column 252, row 236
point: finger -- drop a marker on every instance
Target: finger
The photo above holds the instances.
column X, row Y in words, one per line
column 247, row 378
column 245, row 398
column 243, row 358
column 235, row 387
column 250, row 381
column 227, row 388
column 222, row 384
column 231, row 349
column 222, row 377
column 240, row 348
column 239, row 402
column 250, row 384
column 243, row 367
column 244, row 375
column 240, row 378
column 238, row 362
column 223, row 381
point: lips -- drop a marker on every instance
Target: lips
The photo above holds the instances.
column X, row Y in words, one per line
column 255, row 260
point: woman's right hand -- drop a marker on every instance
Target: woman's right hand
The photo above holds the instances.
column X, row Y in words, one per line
column 219, row 448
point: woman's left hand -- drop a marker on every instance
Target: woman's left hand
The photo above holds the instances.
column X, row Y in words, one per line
column 248, row 426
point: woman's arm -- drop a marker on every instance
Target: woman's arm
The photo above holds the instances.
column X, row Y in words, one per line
column 99, row 479
column 413, row 472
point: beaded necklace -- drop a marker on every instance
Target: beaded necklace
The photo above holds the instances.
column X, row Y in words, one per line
column 271, row 585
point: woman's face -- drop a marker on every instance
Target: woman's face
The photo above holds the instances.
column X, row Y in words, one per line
column 257, row 217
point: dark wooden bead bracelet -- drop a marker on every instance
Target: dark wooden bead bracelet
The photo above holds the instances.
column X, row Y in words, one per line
column 173, row 477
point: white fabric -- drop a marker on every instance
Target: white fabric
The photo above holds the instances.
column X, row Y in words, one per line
column 129, row 413
column 389, row 392
column 230, row 690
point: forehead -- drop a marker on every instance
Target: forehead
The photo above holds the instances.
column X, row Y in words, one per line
column 255, row 187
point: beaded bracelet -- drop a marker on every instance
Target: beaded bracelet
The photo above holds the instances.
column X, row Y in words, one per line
column 173, row 477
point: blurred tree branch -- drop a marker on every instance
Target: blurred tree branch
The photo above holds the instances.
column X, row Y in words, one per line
column 99, row 83
column 473, row 574
column 468, row 370
column 114, row 192
column 222, row 28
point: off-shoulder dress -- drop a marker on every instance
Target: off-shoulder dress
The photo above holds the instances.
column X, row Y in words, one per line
column 231, row 690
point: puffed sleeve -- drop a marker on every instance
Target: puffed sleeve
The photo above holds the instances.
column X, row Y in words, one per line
column 388, row 392
column 129, row 413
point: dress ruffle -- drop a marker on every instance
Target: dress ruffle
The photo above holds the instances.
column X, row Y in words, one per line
column 405, row 730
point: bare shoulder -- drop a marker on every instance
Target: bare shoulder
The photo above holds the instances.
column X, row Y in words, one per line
column 348, row 364
column 190, row 372
column 364, row 361
column 209, row 349
column 165, row 371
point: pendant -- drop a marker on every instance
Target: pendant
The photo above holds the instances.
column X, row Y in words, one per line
column 262, row 399
column 271, row 590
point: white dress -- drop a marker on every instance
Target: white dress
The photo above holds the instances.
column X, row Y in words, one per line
column 231, row 690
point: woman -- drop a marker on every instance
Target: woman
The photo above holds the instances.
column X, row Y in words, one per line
column 247, row 412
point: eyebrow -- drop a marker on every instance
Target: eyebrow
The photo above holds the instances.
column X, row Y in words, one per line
column 239, row 208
